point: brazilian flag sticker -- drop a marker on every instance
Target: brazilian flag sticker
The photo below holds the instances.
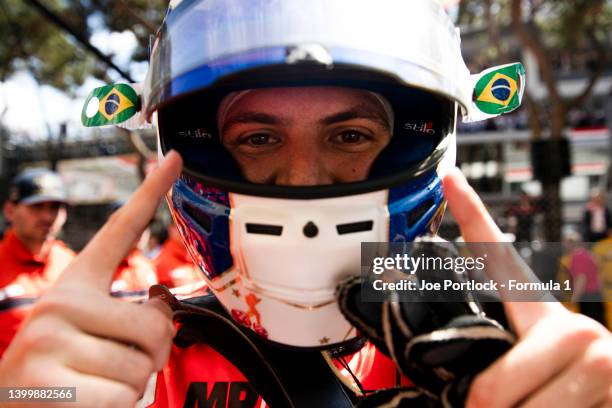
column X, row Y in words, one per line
column 110, row 105
column 500, row 90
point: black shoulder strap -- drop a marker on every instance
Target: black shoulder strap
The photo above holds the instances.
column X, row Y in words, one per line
column 283, row 377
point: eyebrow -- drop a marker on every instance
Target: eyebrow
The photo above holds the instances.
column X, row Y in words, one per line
column 252, row 117
column 355, row 112
column 358, row 112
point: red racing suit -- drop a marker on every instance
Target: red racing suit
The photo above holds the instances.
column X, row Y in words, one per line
column 199, row 376
column 174, row 266
column 23, row 277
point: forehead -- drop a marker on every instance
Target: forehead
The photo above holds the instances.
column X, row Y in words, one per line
column 297, row 100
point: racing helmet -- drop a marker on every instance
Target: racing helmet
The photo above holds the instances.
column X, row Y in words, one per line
column 274, row 254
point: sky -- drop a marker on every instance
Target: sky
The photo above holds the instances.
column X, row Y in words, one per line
column 29, row 107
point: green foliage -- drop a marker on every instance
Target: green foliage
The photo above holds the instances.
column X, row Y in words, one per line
column 564, row 24
column 568, row 23
column 571, row 33
column 32, row 42
column 142, row 17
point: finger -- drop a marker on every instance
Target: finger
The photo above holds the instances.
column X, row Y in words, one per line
column 161, row 306
column 97, row 262
column 106, row 358
column 548, row 349
column 142, row 325
column 92, row 391
column 501, row 260
column 474, row 221
column 586, row 383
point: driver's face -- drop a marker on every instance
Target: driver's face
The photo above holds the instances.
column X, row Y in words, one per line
column 304, row 136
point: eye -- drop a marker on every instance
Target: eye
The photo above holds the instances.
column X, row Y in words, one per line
column 259, row 139
column 256, row 142
column 352, row 140
column 351, row 136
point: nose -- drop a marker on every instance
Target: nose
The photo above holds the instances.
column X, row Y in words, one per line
column 303, row 169
column 49, row 212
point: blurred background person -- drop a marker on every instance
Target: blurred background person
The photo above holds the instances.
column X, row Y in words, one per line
column 582, row 269
column 603, row 252
column 135, row 272
column 157, row 236
column 31, row 255
column 173, row 264
column 521, row 216
column 597, row 218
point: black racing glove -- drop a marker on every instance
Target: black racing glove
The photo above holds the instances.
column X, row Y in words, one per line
column 440, row 344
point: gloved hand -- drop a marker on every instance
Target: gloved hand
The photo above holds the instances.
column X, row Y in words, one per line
column 439, row 345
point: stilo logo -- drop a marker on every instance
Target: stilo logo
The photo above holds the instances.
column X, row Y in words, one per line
column 199, row 133
column 422, row 127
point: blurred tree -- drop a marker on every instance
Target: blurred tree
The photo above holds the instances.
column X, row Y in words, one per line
column 32, row 42
column 551, row 31
column 51, row 40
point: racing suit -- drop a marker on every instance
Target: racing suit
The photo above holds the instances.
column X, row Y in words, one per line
column 23, row 277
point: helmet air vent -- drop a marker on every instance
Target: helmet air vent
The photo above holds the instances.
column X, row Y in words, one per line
column 353, row 227
column 264, row 229
column 308, row 53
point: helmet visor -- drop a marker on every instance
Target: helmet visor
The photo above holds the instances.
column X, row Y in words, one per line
column 309, row 141
column 202, row 41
